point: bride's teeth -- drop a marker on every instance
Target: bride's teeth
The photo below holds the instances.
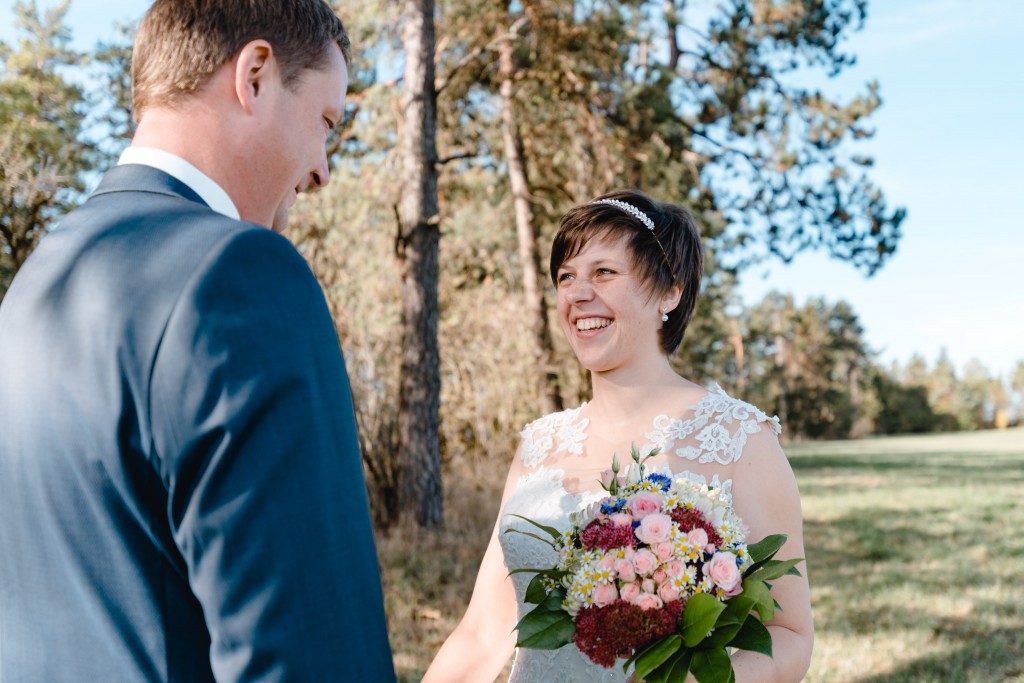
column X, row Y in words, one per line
column 592, row 323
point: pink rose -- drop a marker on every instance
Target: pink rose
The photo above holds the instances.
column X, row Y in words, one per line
column 624, row 568
column 646, row 601
column 605, row 594
column 654, row 528
column 664, row 551
column 659, row 576
column 628, row 553
column 668, row 592
column 630, row 591
column 723, row 572
column 697, row 537
column 644, row 503
column 676, row 568
column 648, row 586
column 621, row 519
column 607, row 562
column 607, row 477
column 645, row 562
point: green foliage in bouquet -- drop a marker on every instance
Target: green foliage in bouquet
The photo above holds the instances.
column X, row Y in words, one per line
column 709, row 626
column 706, row 629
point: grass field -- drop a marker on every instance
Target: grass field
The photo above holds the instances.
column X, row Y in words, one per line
column 915, row 552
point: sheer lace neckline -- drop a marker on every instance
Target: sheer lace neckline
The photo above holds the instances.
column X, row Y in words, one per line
column 714, row 430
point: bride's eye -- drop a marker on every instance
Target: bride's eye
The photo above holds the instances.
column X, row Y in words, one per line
column 564, row 277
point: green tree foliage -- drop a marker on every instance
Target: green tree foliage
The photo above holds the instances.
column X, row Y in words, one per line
column 1015, row 402
column 809, row 365
column 901, row 409
column 114, row 62
column 43, row 152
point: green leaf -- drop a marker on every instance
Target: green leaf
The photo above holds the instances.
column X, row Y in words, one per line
column 656, row 654
column 753, row 636
column 553, row 600
column 774, row 569
column 531, row 535
column 551, row 531
column 764, row 550
column 545, row 629
column 536, row 591
column 699, row 617
column 552, row 572
column 730, row 621
column 672, row 671
column 764, row 604
column 712, row 666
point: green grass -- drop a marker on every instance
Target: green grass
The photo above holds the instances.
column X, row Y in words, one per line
column 915, row 552
column 916, row 557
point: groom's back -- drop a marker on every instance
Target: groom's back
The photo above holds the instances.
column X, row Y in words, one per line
column 92, row 585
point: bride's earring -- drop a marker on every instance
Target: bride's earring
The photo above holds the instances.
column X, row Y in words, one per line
column 664, row 315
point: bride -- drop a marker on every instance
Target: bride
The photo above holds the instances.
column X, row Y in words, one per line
column 627, row 271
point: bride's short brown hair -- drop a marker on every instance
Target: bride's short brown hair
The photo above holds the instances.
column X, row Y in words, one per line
column 669, row 253
column 180, row 44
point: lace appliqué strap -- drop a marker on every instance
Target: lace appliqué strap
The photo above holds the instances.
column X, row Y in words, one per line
column 557, row 432
column 720, row 427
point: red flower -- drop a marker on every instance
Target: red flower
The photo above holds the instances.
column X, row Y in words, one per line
column 689, row 520
column 619, row 630
column 606, row 536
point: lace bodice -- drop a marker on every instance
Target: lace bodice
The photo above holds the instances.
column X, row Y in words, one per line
column 715, row 431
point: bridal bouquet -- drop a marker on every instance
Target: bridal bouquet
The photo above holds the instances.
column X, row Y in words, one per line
column 657, row 573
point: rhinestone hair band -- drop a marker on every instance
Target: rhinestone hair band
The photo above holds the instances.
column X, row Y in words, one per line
column 631, row 210
column 643, row 218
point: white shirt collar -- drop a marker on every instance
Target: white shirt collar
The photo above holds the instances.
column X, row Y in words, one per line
column 200, row 183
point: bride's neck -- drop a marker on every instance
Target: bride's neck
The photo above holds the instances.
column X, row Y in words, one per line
column 619, row 396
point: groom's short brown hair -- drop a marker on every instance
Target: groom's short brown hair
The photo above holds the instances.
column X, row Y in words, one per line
column 180, row 44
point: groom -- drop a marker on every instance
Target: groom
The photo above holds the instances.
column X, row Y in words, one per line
column 181, row 490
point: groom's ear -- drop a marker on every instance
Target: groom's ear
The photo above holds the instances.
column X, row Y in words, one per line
column 255, row 74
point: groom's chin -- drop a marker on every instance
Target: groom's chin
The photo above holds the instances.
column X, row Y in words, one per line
column 280, row 221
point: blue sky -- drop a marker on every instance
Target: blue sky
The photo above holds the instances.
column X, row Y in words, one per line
column 949, row 147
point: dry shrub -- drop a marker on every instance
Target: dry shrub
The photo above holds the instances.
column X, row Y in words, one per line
column 428, row 575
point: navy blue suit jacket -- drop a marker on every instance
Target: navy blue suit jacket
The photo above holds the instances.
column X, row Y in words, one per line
column 181, row 491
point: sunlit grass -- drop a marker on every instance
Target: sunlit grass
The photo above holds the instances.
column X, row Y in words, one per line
column 915, row 555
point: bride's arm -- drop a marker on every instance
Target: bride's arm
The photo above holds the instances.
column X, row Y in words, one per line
column 767, row 499
column 480, row 646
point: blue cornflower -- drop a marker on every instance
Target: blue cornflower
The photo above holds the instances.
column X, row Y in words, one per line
column 661, row 480
column 612, row 506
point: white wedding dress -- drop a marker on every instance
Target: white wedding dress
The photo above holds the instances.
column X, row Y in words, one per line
column 715, row 430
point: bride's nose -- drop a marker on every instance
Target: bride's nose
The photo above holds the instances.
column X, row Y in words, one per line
column 579, row 290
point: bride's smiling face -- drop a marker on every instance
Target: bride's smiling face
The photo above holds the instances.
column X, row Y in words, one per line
column 607, row 314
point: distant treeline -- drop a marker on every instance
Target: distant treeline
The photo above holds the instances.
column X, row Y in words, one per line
column 812, row 366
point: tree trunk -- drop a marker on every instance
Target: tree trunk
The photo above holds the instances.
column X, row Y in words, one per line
column 780, row 374
column 737, row 344
column 420, row 495
column 533, row 293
